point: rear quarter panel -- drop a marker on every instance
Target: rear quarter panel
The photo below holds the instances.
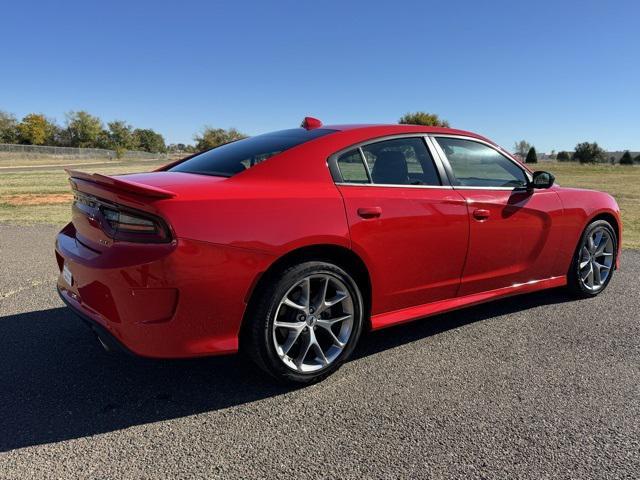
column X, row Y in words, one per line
column 272, row 217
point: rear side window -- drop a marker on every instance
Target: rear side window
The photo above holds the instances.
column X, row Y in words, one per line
column 352, row 168
column 401, row 161
column 232, row 158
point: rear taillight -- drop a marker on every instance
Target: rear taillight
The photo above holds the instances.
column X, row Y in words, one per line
column 132, row 226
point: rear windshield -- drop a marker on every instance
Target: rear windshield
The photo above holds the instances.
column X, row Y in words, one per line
column 231, row 158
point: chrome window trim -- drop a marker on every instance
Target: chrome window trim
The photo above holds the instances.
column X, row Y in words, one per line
column 462, row 187
column 440, row 168
column 500, row 150
column 393, row 185
column 366, row 165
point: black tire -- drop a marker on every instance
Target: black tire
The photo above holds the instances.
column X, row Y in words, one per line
column 574, row 283
column 257, row 339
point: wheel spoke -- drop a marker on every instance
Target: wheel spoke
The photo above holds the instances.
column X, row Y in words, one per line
column 597, row 239
column 597, row 280
column 289, row 325
column 303, row 352
column 604, row 241
column 290, row 303
column 291, row 340
column 603, row 271
column 585, row 274
column 329, row 322
column 295, row 328
column 590, row 244
column 320, row 302
column 588, row 276
column 584, row 257
column 306, row 292
column 340, row 296
column 318, row 348
column 336, row 341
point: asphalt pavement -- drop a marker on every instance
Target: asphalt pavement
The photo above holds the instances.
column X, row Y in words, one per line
column 537, row 386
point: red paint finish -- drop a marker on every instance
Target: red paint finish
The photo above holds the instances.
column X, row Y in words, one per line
column 185, row 300
column 426, row 250
column 423, row 230
column 409, row 314
column 514, row 240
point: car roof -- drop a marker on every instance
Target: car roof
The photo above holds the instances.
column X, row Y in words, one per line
column 399, row 129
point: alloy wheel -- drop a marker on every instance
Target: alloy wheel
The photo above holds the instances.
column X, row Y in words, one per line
column 596, row 259
column 313, row 323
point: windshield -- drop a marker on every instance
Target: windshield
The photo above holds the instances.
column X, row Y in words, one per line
column 232, row 158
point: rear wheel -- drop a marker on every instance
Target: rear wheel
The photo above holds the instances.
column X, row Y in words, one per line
column 594, row 260
column 306, row 323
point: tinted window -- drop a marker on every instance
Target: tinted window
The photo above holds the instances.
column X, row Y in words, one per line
column 352, row 168
column 402, row 161
column 477, row 165
column 231, row 158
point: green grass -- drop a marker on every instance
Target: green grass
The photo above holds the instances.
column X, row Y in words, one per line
column 621, row 181
column 44, row 196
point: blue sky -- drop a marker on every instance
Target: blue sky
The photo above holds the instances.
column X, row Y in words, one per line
column 551, row 72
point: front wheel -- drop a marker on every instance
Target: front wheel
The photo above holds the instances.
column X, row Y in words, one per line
column 594, row 260
column 305, row 323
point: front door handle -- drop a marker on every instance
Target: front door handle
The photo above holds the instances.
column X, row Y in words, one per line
column 369, row 212
column 481, row 214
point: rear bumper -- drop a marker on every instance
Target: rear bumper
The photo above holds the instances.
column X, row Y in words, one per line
column 105, row 335
column 182, row 300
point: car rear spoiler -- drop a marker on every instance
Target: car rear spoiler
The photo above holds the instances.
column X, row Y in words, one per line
column 119, row 185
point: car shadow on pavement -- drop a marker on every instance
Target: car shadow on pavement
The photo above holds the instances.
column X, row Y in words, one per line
column 58, row 384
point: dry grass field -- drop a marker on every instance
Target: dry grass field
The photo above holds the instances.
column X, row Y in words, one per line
column 621, row 181
column 43, row 196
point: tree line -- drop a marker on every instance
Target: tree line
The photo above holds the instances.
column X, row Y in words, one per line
column 81, row 129
column 584, row 152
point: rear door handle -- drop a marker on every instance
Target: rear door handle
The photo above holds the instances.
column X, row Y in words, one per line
column 369, row 212
column 481, row 214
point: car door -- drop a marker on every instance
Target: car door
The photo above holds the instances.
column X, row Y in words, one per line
column 408, row 224
column 512, row 239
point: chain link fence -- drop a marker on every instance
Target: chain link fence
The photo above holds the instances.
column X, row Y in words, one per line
column 31, row 151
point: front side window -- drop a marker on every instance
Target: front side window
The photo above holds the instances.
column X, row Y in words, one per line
column 235, row 157
column 401, row 161
column 477, row 165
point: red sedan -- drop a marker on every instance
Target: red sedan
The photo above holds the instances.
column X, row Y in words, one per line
column 288, row 245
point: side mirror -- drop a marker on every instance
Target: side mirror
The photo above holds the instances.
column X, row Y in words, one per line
column 542, row 179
